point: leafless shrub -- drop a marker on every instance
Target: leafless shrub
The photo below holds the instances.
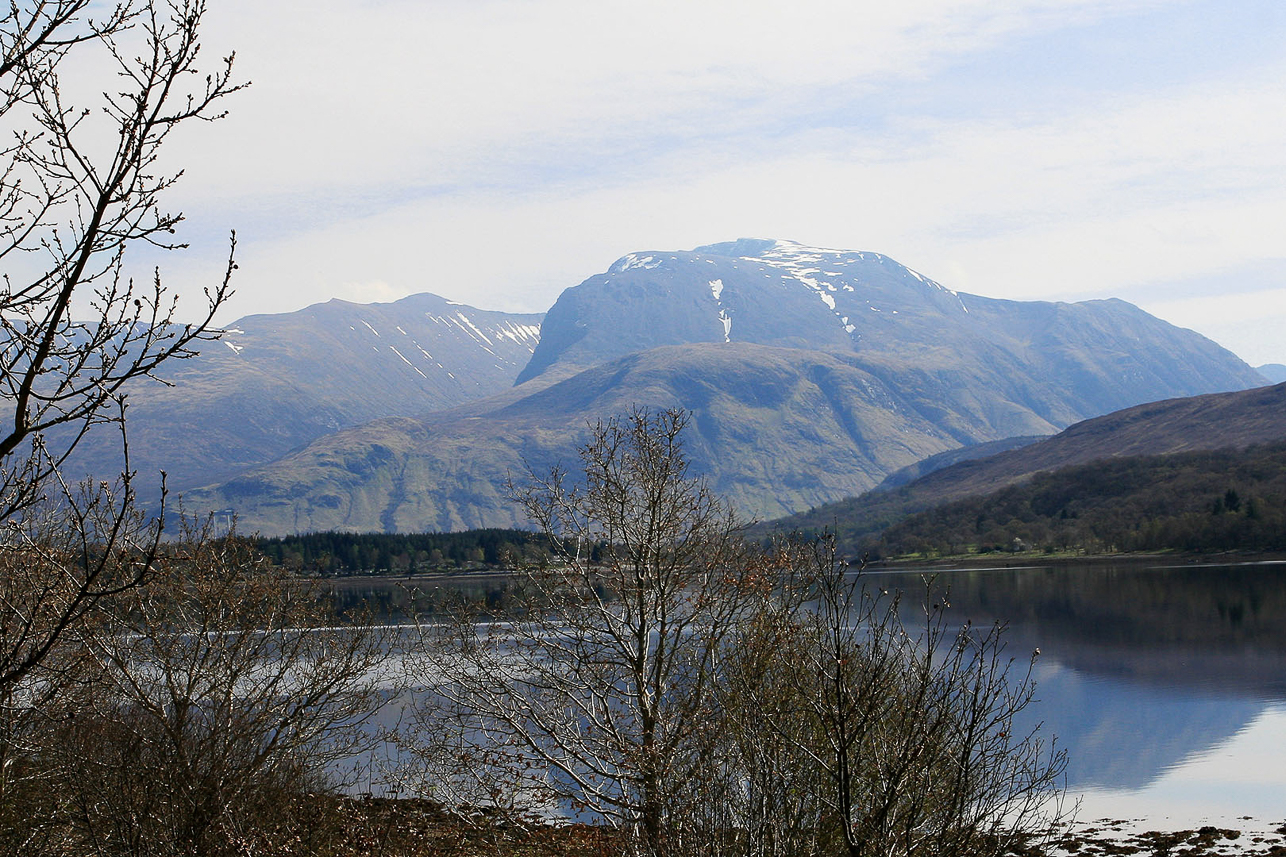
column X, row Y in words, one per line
column 711, row 699
column 81, row 182
column 902, row 734
column 214, row 696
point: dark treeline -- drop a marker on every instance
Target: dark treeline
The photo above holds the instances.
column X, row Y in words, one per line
column 1200, row 501
column 404, row 553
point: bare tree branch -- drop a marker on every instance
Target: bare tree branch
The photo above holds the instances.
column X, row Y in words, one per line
column 79, row 185
column 597, row 696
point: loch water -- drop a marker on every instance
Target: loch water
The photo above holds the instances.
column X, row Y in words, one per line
column 1165, row 683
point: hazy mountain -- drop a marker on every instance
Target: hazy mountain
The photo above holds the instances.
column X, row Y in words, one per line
column 1274, row 373
column 1217, row 421
column 276, row 382
column 925, row 466
column 811, row 374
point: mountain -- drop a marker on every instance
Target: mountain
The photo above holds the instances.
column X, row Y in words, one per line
column 994, row 368
column 925, row 466
column 811, row 374
column 1207, row 501
column 274, row 383
column 1274, row 373
column 1235, row 421
column 775, row 429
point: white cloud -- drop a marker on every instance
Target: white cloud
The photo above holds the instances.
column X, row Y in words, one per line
column 346, row 95
column 497, row 152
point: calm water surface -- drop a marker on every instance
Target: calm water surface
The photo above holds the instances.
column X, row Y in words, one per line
column 1166, row 685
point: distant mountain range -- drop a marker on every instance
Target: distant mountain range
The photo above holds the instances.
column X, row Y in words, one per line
column 811, row 375
column 1274, row 373
column 274, row 383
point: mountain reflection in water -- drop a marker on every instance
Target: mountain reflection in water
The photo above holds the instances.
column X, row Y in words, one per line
column 1167, row 686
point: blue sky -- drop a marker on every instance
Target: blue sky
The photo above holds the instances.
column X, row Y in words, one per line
column 498, row 151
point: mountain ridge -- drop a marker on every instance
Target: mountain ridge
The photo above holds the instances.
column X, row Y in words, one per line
column 761, row 398
column 275, row 382
column 811, row 375
column 1108, row 353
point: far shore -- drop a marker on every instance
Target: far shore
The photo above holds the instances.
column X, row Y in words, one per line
column 975, row 562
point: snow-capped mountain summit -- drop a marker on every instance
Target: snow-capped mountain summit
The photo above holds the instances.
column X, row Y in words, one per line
column 1057, row 362
column 758, row 291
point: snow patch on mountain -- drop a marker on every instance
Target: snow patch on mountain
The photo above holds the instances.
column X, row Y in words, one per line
column 716, row 291
column 802, row 264
column 523, row 334
column 464, row 318
column 633, row 260
column 409, row 363
column 813, row 267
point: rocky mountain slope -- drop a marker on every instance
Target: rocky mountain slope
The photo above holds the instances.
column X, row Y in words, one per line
column 274, row 383
column 812, row 374
column 774, row 430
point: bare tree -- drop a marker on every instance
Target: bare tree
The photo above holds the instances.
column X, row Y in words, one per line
column 777, row 785
column 81, row 182
column 907, row 733
column 213, row 697
column 597, row 695
column 48, row 556
column 713, row 699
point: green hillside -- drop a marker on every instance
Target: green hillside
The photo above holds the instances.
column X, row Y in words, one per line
column 1219, row 421
column 1199, row 501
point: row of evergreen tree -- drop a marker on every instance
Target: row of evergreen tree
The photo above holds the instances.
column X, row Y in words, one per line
column 336, row 553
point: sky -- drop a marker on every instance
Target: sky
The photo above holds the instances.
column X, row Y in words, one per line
column 496, row 152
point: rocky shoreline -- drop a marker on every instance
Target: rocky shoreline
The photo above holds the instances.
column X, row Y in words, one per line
column 1113, row 837
column 408, row 827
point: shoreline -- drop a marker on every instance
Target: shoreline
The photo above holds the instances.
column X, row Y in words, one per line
column 418, row 826
column 1243, row 836
column 967, row 562
column 974, row 562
